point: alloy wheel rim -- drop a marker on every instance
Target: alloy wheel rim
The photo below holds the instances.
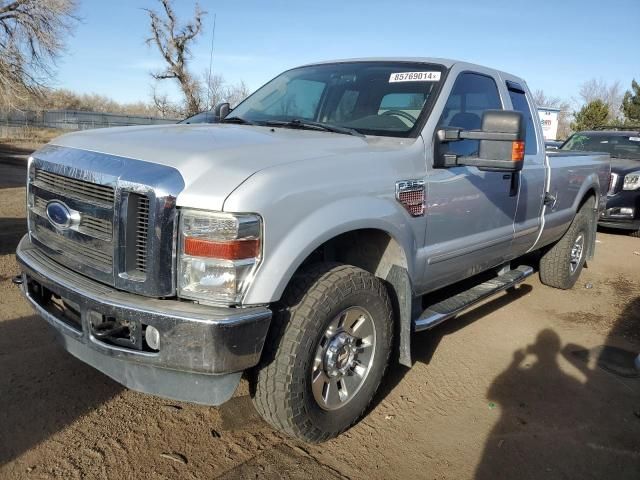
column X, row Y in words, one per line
column 343, row 358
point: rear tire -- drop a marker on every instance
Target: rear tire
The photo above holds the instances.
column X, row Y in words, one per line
column 317, row 376
column 561, row 265
column 635, row 233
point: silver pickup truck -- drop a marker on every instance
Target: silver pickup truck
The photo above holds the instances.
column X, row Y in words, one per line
column 296, row 239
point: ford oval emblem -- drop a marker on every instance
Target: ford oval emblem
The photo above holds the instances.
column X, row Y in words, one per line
column 59, row 214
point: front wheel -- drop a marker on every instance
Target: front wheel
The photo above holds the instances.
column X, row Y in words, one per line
column 327, row 352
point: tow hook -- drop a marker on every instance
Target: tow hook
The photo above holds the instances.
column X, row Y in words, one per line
column 109, row 329
column 17, row 280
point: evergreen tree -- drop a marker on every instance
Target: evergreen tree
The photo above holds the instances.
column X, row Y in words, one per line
column 593, row 114
column 631, row 104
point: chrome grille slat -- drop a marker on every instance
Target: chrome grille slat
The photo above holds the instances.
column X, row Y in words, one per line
column 94, row 227
column 94, row 258
column 142, row 232
column 74, row 188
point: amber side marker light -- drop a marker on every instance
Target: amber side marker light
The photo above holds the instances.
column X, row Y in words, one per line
column 517, row 151
column 233, row 250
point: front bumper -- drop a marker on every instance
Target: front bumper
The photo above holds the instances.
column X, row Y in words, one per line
column 203, row 350
column 625, row 200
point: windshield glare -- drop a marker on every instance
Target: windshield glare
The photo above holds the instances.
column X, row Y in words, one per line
column 618, row 146
column 376, row 98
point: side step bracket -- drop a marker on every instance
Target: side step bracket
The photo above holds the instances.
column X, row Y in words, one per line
column 453, row 306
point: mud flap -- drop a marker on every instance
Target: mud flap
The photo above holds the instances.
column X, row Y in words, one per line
column 399, row 280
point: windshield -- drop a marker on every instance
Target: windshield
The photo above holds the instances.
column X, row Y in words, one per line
column 375, row 98
column 617, row 145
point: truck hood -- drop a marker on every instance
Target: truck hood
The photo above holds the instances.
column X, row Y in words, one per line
column 215, row 159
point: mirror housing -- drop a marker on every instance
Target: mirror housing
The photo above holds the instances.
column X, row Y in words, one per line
column 220, row 111
column 501, row 139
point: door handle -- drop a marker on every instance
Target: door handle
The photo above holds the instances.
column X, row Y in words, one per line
column 506, row 176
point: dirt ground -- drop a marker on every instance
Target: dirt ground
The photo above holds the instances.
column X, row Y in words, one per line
column 497, row 393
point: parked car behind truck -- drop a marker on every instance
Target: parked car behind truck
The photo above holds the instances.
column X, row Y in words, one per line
column 296, row 239
column 622, row 211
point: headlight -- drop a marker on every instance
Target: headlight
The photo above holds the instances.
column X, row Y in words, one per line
column 631, row 181
column 219, row 253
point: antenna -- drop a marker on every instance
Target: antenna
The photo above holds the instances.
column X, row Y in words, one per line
column 213, row 38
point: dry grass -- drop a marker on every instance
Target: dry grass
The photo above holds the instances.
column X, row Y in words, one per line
column 28, row 135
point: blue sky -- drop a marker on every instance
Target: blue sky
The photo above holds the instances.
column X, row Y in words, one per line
column 555, row 45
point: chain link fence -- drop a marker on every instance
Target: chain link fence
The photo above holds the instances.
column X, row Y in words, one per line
column 74, row 119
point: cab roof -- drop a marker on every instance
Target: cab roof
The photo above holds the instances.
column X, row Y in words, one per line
column 447, row 62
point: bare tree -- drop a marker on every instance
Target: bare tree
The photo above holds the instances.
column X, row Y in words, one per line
column 237, row 92
column 32, row 34
column 218, row 90
column 610, row 94
column 542, row 100
column 174, row 41
column 164, row 107
column 215, row 89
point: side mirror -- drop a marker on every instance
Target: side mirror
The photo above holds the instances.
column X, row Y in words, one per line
column 501, row 143
column 220, row 111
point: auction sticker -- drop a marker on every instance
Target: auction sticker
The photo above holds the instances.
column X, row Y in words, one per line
column 414, row 77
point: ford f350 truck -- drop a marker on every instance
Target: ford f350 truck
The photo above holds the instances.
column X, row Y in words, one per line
column 295, row 240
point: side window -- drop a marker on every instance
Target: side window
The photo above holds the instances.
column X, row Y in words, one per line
column 520, row 103
column 472, row 94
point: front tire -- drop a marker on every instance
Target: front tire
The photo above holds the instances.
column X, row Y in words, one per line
column 561, row 265
column 328, row 349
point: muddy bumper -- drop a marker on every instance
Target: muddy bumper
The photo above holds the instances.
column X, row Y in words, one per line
column 200, row 352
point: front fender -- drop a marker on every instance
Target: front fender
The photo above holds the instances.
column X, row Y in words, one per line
column 286, row 248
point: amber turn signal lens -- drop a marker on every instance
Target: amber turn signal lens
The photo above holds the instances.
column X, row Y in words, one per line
column 233, row 250
column 517, row 151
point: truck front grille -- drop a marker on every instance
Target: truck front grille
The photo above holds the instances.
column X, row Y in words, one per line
column 89, row 244
column 117, row 222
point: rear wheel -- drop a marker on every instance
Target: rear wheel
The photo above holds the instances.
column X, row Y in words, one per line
column 561, row 265
column 635, row 233
column 327, row 353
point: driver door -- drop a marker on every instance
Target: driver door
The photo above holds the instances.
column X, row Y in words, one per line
column 470, row 213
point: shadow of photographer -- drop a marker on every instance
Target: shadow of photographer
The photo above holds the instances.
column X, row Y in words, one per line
column 557, row 425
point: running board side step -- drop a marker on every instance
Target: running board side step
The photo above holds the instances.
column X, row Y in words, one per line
column 451, row 307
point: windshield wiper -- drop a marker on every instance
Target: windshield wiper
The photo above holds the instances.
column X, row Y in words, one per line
column 309, row 124
column 238, row 120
